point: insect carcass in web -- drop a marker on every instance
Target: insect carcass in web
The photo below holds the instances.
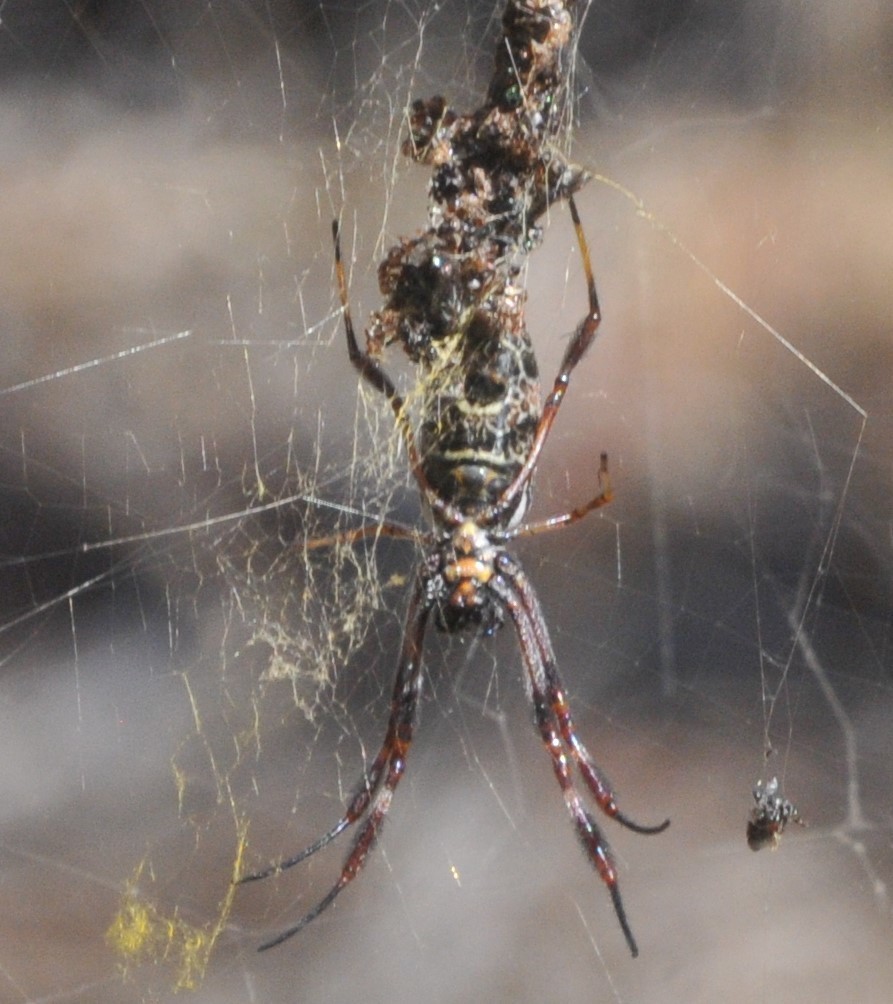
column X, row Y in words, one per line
column 770, row 815
column 454, row 302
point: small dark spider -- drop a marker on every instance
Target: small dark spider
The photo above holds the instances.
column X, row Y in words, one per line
column 769, row 816
column 476, row 488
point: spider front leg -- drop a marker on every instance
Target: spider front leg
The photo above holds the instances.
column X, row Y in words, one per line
column 575, row 351
column 376, row 376
column 373, row 797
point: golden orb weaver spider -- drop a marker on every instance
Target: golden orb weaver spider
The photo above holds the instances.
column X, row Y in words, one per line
column 476, row 487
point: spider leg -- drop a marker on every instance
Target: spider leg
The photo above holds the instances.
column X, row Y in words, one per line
column 363, row 843
column 558, row 735
column 355, row 809
column 589, row 832
column 370, row 370
column 394, row 530
column 591, row 837
column 595, row 780
column 604, row 497
column 374, row 374
column 373, row 799
column 575, row 351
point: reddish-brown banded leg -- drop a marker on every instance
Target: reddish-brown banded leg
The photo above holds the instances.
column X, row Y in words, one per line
column 594, row 842
column 356, row 859
column 604, row 497
column 554, row 689
column 557, row 731
column 596, row 781
column 355, row 809
column 590, row 835
column 573, row 354
column 373, row 798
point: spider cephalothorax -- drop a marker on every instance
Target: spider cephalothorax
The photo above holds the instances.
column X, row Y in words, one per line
column 460, row 585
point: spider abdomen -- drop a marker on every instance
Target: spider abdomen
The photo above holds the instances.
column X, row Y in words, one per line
column 480, row 407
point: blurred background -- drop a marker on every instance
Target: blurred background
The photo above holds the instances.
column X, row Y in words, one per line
column 185, row 691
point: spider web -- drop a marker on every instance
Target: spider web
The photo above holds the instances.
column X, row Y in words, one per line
column 187, row 690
